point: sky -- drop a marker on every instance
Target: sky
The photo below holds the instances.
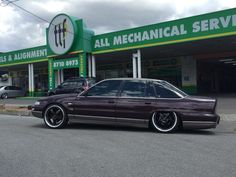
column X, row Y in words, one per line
column 19, row 30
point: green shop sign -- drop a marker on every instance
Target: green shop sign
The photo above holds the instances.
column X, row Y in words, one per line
column 66, row 63
column 217, row 24
column 30, row 55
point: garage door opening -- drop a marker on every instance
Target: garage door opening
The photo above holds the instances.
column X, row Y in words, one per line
column 216, row 75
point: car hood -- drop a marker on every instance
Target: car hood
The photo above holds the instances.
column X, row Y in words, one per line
column 59, row 97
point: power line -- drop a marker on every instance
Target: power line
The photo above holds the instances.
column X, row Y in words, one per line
column 12, row 2
column 31, row 13
column 6, row 2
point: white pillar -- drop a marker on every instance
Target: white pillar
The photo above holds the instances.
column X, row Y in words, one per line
column 62, row 75
column 137, row 68
column 139, row 63
column 89, row 65
column 32, row 77
column 93, row 66
column 134, row 66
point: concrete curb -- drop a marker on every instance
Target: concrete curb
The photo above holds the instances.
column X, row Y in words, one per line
column 12, row 109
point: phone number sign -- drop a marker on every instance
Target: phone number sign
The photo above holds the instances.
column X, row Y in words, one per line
column 66, row 63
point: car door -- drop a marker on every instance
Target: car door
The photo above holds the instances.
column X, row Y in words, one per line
column 97, row 105
column 135, row 103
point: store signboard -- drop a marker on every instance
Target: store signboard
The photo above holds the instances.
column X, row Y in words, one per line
column 61, row 34
column 24, row 56
column 51, row 76
column 217, row 24
column 82, row 65
column 66, row 63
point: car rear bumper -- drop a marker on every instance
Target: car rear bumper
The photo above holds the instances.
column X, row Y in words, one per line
column 205, row 121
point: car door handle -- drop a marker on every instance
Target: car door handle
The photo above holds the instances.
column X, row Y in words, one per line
column 148, row 103
column 111, row 101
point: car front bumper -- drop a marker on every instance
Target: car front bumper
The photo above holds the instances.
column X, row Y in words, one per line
column 35, row 112
column 38, row 114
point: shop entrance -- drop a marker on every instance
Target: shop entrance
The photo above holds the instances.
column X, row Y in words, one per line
column 19, row 76
column 216, row 76
column 70, row 73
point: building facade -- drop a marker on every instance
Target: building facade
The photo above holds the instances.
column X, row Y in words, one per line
column 196, row 54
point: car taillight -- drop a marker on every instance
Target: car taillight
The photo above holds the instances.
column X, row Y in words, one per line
column 215, row 106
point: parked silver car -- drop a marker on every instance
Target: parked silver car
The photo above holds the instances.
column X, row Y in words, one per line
column 11, row 91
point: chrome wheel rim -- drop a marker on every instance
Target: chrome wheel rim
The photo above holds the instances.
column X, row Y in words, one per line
column 164, row 121
column 54, row 116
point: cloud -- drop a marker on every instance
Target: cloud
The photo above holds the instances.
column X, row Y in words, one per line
column 21, row 30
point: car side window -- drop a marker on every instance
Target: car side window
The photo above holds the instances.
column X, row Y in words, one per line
column 15, row 88
column 105, row 88
column 7, row 88
column 65, row 84
column 133, row 89
column 151, row 91
column 163, row 92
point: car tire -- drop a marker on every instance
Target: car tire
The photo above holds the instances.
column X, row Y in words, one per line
column 4, row 96
column 55, row 117
column 165, row 122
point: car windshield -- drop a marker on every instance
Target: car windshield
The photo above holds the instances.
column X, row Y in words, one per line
column 173, row 88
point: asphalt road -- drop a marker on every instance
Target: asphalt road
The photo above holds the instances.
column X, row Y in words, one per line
column 29, row 149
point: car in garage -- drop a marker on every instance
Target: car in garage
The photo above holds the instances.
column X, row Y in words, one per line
column 11, row 91
column 130, row 102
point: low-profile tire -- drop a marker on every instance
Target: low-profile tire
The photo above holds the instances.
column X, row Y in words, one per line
column 55, row 116
column 4, row 96
column 165, row 122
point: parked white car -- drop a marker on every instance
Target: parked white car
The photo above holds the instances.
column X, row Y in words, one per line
column 11, row 91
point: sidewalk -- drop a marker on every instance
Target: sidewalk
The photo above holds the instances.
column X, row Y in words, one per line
column 17, row 106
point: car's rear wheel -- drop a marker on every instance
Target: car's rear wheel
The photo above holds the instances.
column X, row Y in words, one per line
column 55, row 116
column 165, row 122
column 4, row 96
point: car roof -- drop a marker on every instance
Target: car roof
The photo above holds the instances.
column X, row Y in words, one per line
column 137, row 79
column 79, row 79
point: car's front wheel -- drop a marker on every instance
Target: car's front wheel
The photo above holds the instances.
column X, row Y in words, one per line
column 55, row 116
column 4, row 96
column 165, row 122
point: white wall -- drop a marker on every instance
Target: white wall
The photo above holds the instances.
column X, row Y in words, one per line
column 189, row 71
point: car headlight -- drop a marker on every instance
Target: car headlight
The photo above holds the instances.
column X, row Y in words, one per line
column 37, row 103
